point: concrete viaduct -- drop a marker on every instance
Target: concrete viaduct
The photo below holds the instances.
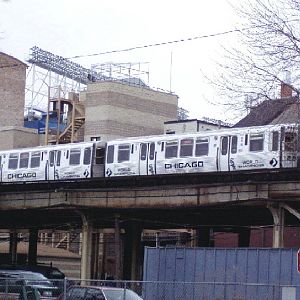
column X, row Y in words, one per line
column 233, row 201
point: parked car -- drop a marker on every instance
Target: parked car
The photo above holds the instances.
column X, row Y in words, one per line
column 48, row 271
column 19, row 281
column 51, row 273
column 77, row 292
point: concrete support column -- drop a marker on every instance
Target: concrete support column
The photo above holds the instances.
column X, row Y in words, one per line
column 278, row 227
column 132, row 251
column 13, row 246
column 86, row 249
column 95, row 256
column 118, row 249
column 32, row 249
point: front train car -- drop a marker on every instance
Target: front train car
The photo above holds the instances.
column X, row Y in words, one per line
column 233, row 149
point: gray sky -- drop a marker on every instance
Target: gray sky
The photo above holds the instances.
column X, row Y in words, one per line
column 73, row 27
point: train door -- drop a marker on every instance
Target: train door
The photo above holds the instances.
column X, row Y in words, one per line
column 227, row 153
column 54, row 164
column 147, row 159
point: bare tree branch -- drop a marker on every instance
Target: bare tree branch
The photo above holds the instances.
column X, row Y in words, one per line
column 269, row 46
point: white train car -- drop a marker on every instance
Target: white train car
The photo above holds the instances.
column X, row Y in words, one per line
column 264, row 147
column 53, row 162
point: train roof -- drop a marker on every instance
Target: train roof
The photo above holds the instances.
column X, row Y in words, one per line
column 201, row 133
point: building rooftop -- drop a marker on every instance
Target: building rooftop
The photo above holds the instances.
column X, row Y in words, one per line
column 266, row 112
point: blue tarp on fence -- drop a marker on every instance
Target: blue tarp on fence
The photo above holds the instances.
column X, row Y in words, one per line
column 216, row 273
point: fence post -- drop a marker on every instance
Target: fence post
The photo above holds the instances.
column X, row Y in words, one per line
column 6, row 288
column 124, row 294
column 65, row 289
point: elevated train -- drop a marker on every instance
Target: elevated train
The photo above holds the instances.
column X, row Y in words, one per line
column 233, row 149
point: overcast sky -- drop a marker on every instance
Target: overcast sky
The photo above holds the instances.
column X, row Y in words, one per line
column 73, row 27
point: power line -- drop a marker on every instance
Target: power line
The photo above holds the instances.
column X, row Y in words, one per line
column 177, row 41
column 161, row 43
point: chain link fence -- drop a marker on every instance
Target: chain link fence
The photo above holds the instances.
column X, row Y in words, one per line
column 136, row 290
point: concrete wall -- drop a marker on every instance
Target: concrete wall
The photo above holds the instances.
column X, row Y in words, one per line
column 115, row 110
column 12, row 90
column 192, row 125
column 18, row 137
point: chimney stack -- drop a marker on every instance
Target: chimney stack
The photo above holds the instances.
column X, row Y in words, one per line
column 286, row 91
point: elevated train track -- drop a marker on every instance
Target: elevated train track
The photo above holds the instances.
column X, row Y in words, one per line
column 240, row 198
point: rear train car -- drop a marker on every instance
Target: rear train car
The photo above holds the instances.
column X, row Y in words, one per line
column 53, row 162
column 263, row 147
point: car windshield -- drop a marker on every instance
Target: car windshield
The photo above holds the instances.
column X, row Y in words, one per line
column 121, row 294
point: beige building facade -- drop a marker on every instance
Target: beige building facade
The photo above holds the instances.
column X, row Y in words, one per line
column 12, row 91
column 116, row 110
column 13, row 137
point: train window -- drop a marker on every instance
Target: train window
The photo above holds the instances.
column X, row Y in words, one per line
column 224, row 145
column 201, row 146
column 100, row 152
column 234, row 140
column 275, row 140
column 256, row 142
column 24, row 160
column 246, row 139
column 186, row 147
column 58, row 157
column 13, row 161
column 110, row 154
column 123, row 152
column 290, row 141
column 51, row 158
column 162, row 146
column 87, row 156
column 171, row 149
column 74, row 156
column 144, row 151
column 152, row 150
column 0, row 160
column 35, row 159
